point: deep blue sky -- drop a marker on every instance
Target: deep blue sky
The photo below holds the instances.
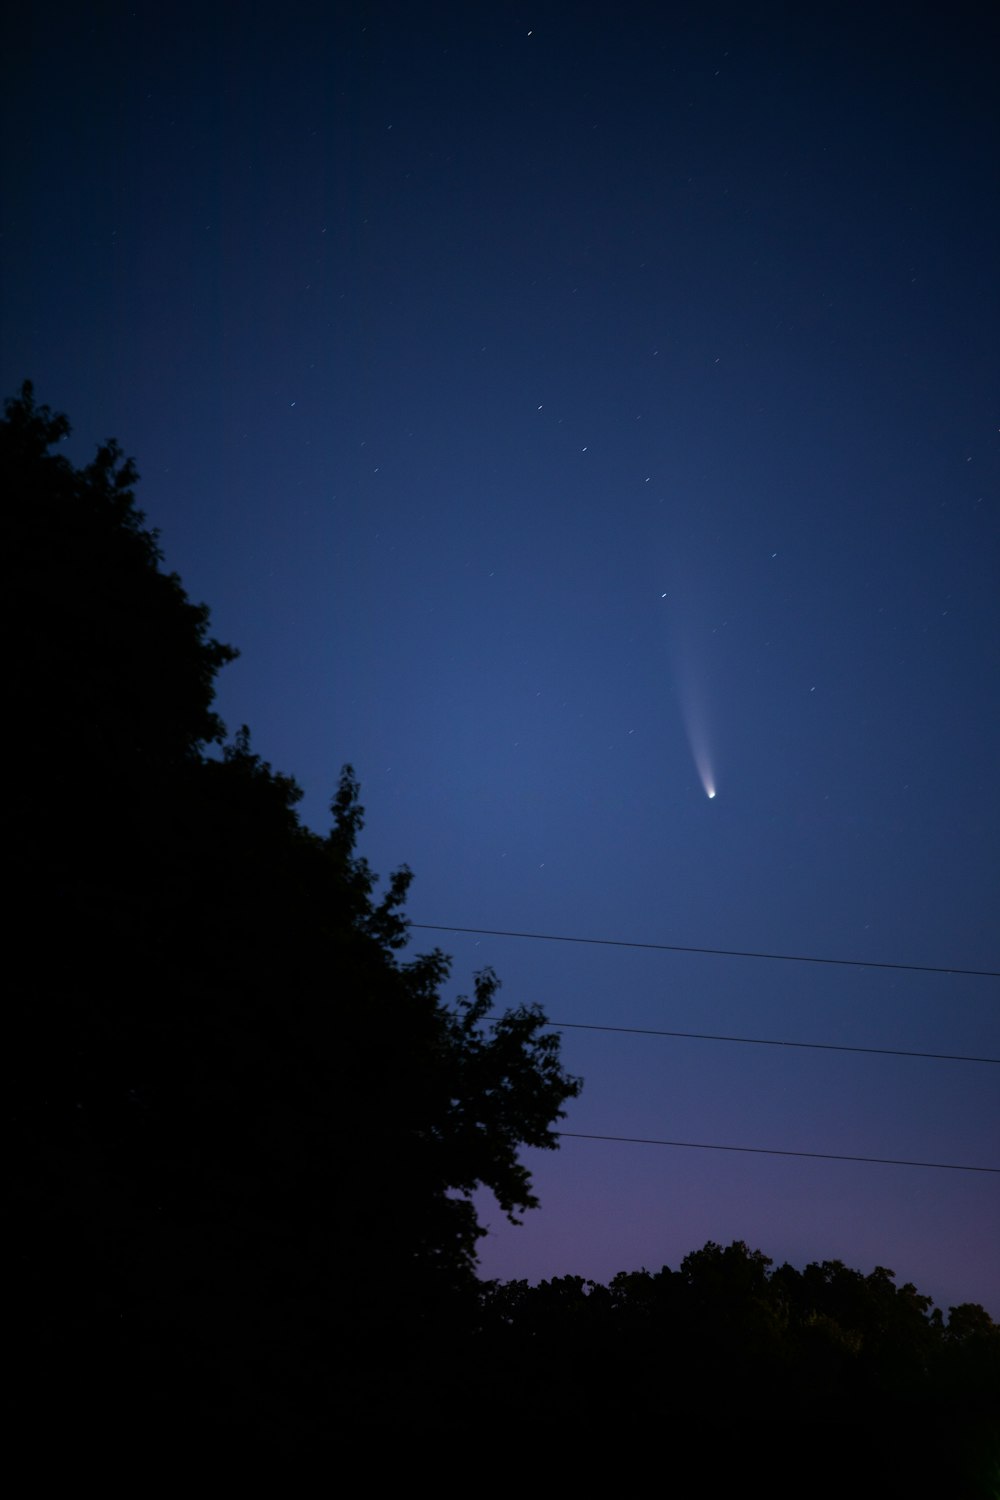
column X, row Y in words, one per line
column 521, row 384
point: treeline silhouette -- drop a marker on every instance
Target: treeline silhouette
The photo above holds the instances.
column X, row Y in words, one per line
column 244, row 1132
column 798, row 1380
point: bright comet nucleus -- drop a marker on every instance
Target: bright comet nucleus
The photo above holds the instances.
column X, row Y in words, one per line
column 689, row 673
column 699, row 750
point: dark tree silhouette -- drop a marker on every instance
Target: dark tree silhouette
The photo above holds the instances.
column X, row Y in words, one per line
column 246, row 1131
column 813, row 1380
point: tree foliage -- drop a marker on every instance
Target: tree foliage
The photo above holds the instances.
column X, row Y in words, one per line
column 735, row 1368
column 111, row 656
column 233, row 1094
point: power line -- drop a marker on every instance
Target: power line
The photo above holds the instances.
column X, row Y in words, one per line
column 760, row 1041
column 885, row 1161
column 789, row 958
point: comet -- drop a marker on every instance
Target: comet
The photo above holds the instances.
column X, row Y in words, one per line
column 691, row 699
column 689, row 648
column 699, row 750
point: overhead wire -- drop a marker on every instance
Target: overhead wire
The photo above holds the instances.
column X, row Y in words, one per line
column 886, row 1161
column 761, row 1041
column 790, row 958
column 744, row 1040
column 751, row 1041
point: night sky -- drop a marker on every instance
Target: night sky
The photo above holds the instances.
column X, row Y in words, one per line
column 569, row 409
